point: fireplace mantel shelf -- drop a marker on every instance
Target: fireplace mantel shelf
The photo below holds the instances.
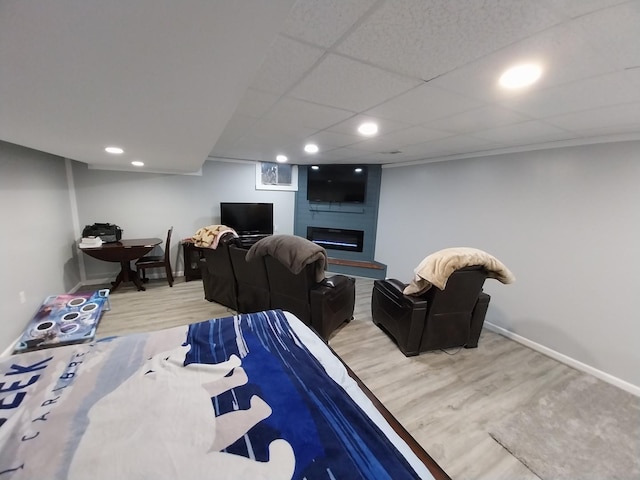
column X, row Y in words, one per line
column 354, row 263
column 341, row 209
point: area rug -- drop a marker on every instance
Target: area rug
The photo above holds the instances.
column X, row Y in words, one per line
column 583, row 429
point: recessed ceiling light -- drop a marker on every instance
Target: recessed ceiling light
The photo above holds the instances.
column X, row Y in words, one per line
column 358, row 170
column 137, row 163
column 281, row 158
column 520, row 76
column 311, row 148
column 114, row 150
column 368, row 129
column 315, row 167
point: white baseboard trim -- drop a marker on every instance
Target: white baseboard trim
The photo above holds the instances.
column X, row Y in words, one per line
column 160, row 274
column 9, row 350
column 583, row 367
column 107, row 280
column 95, row 281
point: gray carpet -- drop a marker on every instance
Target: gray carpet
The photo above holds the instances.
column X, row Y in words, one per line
column 548, row 438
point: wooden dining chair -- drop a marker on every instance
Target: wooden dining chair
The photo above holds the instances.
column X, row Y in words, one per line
column 157, row 261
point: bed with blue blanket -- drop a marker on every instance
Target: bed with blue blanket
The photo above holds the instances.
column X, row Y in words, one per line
column 244, row 397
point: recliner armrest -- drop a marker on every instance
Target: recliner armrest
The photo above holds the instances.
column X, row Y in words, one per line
column 396, row 284
column 332, row 303
column 393, row 289
column 331, row 285
column 335, row 281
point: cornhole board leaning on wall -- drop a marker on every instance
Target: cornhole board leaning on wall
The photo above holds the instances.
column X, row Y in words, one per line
column 64, row 319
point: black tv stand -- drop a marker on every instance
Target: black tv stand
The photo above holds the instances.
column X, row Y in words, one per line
column 246, row 241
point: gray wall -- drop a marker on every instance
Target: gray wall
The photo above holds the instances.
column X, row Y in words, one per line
column 147, row 204
column 565, row 221
column 37, row 250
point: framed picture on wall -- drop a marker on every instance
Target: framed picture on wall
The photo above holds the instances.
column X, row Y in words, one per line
column 276, row 176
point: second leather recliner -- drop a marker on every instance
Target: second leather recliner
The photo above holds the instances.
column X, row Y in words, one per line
column 434, row 320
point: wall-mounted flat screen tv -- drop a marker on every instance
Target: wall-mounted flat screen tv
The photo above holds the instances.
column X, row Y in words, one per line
column 337, row 183
column 247, row 218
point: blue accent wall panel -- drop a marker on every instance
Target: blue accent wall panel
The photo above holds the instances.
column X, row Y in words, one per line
column 352, row 216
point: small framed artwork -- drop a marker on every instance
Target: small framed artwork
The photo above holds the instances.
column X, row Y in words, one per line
column 276, row 176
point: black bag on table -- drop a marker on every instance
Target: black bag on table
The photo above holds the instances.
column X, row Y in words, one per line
column 108, row 232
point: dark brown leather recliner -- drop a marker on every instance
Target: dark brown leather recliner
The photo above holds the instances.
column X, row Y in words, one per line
column 218, row 278
column 436, row 319
column 264, row 283
column 252, row 281
column 322, row 305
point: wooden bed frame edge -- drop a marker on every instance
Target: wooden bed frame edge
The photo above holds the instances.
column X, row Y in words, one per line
column 435, row 469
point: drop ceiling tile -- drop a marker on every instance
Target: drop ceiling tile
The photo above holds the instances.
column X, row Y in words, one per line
column 607, row 118
column 278, row 134
column 266, row 140
column 426, row 39
column 221, row 150
column 350, row 126
column 577, row 8
column 385, row 157
column 423, row 104
column 615, row 32
column 266, row 148
column 376, row 146
column 629, row 132
column 367, row 160
column 244, row 149
column 324, row 22
column 398, row 140
column 457, row 144
column 265, row 145
column 294, row 150
column 327, row 140
column 525, row 133
column 255, row 103
column 310, row 115
column 564, row 53
column 633, row 77
column 344, row 83
column 611, row 89
column 287, row 61
column 337, row 155
column 481, row 118
column 442, row 148
column 236, row 127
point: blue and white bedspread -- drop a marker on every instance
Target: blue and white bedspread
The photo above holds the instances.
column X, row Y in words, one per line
column 239, row 397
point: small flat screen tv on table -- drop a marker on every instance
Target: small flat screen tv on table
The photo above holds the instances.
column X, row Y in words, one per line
column 248, row 219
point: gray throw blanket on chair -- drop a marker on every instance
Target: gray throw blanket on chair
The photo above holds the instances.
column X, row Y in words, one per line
column 293, row 252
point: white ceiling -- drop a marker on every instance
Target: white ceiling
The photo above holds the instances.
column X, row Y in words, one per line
column 174, row 82
column 159, row 78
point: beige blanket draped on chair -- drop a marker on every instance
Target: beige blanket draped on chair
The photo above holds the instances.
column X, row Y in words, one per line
column 437, row 267
column 208, row 237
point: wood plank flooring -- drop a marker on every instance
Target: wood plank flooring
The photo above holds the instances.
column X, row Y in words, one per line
column 446, row 400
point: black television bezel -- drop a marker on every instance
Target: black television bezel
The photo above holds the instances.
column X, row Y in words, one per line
column 334, row 174
column 245, row 206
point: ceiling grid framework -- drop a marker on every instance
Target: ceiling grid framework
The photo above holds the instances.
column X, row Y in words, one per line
column 461, row 112
column 311, row 71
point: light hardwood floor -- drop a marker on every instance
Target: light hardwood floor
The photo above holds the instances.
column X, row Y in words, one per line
column 446, row 400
